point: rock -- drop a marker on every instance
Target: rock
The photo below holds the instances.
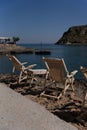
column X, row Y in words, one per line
column 76, row 35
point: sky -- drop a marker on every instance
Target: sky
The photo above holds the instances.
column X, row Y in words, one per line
column 36, row 21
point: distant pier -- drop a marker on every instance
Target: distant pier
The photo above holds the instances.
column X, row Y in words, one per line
column 14, row 49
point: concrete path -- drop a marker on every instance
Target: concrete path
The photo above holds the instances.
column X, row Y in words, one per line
column 20, row 113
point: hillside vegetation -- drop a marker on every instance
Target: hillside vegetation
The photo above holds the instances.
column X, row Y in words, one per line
column 76, row 35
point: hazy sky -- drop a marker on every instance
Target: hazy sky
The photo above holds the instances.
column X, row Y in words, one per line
column 40, row 20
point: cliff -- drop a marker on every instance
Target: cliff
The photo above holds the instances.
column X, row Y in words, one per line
column 76, row 35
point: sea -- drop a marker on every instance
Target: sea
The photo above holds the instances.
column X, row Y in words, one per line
column 73, row 55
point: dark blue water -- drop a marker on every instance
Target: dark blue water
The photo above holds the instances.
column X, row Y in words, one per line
column 74, row 57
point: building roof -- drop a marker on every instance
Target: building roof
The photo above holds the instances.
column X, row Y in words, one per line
column 4, row 38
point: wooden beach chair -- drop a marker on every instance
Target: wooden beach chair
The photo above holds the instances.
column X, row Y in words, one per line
column 17, row 65
column 84, row 72
column 58, row 73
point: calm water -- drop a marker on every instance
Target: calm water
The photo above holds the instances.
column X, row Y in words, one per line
column 74, row 57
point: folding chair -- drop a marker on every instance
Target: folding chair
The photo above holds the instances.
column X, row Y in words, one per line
column 17, row 65
column 58, row 73
column 84, row 72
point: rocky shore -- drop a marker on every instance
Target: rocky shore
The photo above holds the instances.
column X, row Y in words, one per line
column 13, row 48
column 68, row 108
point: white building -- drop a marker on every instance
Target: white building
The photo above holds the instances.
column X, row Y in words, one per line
column 5, row 39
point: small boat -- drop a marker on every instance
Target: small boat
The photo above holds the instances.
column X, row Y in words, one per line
column 42, row 52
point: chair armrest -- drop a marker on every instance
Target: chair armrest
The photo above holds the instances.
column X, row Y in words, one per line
column 24, row 63
column 72, row 74
column 83, row 70
column 31, row 66
column 81, row 67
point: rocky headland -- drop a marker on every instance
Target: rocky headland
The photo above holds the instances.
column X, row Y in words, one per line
column 76, row 35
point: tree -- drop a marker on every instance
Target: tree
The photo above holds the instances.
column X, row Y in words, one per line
column 7, row 40
column 15, row 39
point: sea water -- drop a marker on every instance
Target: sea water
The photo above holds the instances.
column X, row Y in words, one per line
column 74, row 57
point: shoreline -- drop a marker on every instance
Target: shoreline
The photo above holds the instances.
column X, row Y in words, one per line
column 17, row 49
column 14, row 49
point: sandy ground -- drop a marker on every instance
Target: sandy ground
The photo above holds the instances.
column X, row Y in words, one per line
column 68, row 108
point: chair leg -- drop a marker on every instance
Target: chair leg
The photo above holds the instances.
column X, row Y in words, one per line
column 72, row 82
column 84, row 99
column 66, row 87
column 45, row 88
column 32, row 80
column 68, row 83
column 21, row 77
column 64, row 91
column 13, row 69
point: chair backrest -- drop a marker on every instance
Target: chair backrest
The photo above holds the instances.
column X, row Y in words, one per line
column 16, row 63
column 57, row 68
